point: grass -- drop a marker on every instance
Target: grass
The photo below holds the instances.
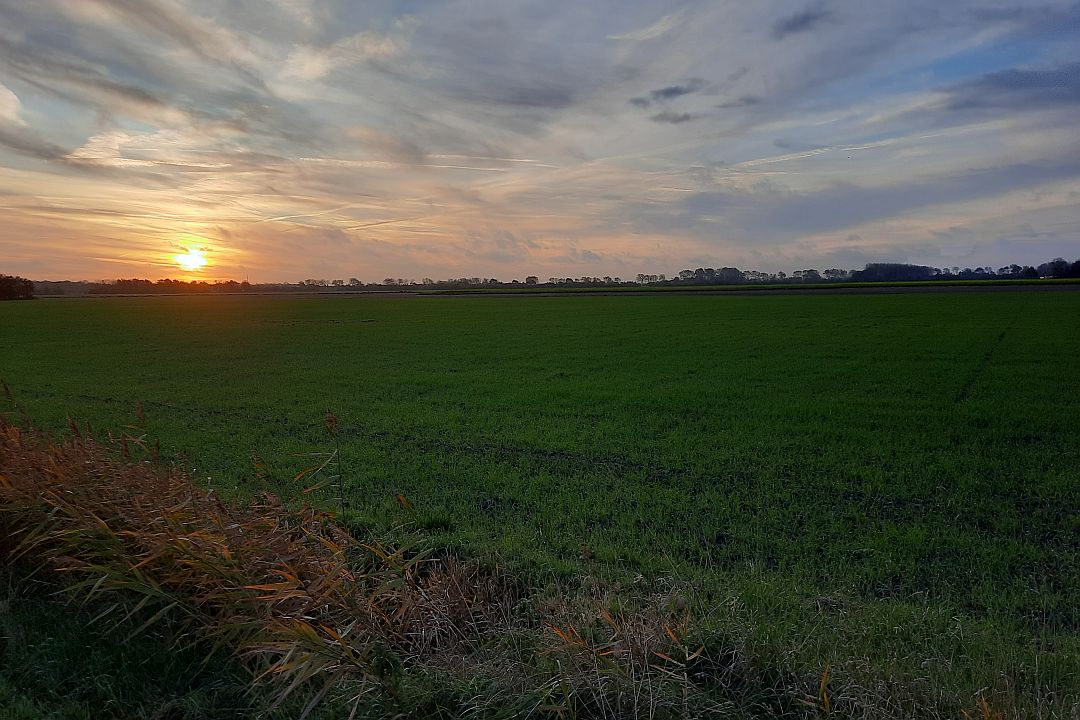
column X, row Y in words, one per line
column 57, row 664
column 880, row 485
column 308, row 609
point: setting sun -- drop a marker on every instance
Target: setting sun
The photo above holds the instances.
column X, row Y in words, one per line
column 191, row 261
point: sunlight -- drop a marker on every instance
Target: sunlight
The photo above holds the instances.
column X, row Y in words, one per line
column 191, row 261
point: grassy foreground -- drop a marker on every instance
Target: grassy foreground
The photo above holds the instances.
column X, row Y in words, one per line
column 881, row 485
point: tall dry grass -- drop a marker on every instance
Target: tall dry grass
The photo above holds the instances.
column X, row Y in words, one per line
column 304, row 604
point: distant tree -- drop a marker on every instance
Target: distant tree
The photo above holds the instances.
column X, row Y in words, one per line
column 1058, row 267
column 13, row 287
column 532, row 280
column 730, row 275
column 338, row 283
column 355, row 282
column 895, row 272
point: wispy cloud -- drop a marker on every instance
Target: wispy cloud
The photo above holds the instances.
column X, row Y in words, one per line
column 9, row 106
column 673, row 118
column 657, row 29
column 1019, row 89
column 800, row 22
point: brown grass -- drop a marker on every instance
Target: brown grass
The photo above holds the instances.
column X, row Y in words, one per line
column 305, row 604
column 302, row 603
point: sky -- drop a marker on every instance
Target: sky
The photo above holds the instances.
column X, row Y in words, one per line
column 294, row 139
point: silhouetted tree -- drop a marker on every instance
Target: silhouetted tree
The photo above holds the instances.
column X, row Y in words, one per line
column 13, row 287
column 894, row 272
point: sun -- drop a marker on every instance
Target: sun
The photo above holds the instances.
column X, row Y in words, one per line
column 191, row 261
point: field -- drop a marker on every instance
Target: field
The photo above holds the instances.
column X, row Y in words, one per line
column 886, row 485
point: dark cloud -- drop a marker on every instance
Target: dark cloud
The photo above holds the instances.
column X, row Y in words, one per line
column 25, row 142
column 1033, row 20
column 536, row 95
column 1019, row 89
column 664, row 94
column 160, row 18
column 96, row 84
column 673, row 91
column 742, row 101
column 775, row 212
column 82, row 80
column 799, row 22
column 792, row 145
column 673, row 118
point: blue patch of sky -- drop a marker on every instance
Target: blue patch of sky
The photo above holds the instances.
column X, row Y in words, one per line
column 986, row 58
column 981, row 60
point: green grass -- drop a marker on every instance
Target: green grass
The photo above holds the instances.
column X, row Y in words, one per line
column 56, row 664
column 883, row 483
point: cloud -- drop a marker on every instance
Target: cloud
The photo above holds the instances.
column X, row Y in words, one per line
column 669, row 92
column 1018, row 89
column 74, row 79
column 10, row 106
column 26, row 142
column 308, row 62
column 799, row 22
column 782, row 212
column 210, row 43
column 673, row 118
column 741, row 102
column 673, row 91
column 658, row 29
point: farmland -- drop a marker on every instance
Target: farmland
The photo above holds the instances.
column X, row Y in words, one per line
column 884, row 484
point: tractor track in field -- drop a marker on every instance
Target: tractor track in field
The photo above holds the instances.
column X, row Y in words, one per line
column 420, row 442
column 984, row 362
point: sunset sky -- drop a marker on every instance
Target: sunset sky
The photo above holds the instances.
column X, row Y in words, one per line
column 287, row 139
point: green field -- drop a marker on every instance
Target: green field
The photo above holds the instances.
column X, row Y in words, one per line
column 885, row 484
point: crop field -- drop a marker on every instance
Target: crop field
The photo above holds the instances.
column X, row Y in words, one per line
column 885, row 484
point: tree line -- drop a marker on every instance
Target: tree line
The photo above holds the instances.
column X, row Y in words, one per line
column 13, row 287
column 879, row 272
